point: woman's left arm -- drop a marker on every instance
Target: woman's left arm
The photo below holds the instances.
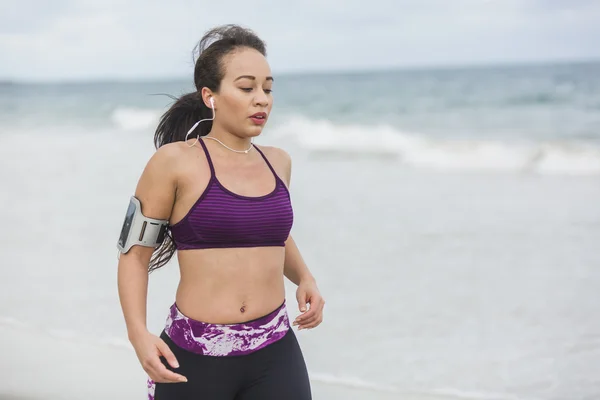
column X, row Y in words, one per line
column 296, row 270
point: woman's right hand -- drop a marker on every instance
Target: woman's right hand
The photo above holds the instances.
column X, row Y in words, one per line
column 149, row 348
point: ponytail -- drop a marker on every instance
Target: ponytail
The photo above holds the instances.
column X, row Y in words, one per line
column 181, row 116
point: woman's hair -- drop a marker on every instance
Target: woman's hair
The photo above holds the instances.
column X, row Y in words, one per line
column 209, row 71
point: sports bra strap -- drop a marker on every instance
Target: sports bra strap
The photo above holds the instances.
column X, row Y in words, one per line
column 266, row 160
column 210, row 163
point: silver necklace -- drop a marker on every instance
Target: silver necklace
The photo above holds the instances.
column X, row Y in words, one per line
column 229, row 148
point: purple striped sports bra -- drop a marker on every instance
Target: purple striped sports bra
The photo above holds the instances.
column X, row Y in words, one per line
column 222, row 219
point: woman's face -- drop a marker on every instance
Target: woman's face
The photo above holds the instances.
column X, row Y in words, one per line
column 244, row 100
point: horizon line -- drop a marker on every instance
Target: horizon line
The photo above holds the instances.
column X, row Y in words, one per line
column 313, row 72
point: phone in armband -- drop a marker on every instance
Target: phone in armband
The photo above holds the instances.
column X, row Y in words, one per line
column 139, row 229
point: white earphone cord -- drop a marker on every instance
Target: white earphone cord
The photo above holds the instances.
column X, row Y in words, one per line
column 212, row 103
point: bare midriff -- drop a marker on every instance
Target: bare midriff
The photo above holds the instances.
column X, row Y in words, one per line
column 232, row 285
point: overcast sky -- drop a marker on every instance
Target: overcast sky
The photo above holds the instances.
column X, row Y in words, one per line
column 89, row 39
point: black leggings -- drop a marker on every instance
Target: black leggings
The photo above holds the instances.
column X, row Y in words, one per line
column 275, row 372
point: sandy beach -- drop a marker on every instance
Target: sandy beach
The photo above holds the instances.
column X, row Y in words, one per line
column 39, row 366
column 452, row 225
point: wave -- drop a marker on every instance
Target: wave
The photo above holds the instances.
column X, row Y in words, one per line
column 133, row 119
column 418, row 151
column 414, row 150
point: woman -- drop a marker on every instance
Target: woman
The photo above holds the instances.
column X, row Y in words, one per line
column 227, row 335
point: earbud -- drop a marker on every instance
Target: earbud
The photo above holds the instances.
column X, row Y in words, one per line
column 212, row 103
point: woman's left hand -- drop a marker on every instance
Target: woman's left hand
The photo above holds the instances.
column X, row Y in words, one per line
column 308, row 293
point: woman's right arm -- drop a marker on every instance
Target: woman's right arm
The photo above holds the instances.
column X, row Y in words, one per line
column 156, row 192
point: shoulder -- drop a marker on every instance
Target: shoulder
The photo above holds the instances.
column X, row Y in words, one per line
column 280, row 160
column 168, row 164
column 277, row 156
column 169, row 157
column 169, row 153
column 158, row 183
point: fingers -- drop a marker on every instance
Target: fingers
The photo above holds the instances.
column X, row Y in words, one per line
column 167, row 353
column 313, row 323
column 306, row 316
column 311, row 318
column 302, row 306
column 301, row 297
column 309, row 321
column 158, row 371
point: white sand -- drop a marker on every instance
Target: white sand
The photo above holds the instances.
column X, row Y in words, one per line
column 38, row 366
column 43, row 367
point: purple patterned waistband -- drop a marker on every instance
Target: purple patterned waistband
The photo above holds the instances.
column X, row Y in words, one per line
column 226, row 339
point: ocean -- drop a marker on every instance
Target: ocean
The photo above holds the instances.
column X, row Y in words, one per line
column 451, row 217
